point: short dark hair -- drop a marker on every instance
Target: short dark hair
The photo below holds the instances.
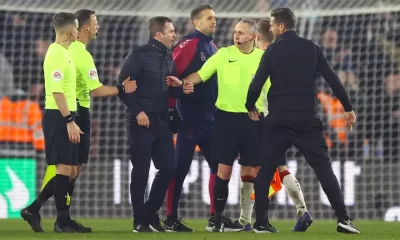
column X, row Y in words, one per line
column 285, row 16
column 157, row 24
column 196, row 12
column 83, row 16
column 62, row 19
column 263, row 28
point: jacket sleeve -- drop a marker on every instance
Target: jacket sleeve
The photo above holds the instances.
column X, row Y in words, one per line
column 326, row 71
column 183, row 55
column 130, row 68
column 261, row 76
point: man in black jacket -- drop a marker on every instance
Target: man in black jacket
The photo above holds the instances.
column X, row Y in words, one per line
column 292, row 63
column 147, row 118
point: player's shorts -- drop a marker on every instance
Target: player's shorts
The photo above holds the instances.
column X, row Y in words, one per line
column 82, row 119
column 235, row 133
column 59, row 149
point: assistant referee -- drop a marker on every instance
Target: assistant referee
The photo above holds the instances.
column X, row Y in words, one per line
column 61, row 133
column 87, row 84
column 292, row 63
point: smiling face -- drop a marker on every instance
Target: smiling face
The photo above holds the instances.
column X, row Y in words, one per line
column 206, row 22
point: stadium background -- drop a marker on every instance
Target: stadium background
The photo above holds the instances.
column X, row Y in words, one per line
column 360, row 38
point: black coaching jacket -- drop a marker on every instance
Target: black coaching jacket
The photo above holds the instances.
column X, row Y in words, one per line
column 149, row 65
column 293, row 64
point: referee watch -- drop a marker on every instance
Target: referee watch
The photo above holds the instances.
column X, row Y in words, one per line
column 68, row 118
column 121, row 88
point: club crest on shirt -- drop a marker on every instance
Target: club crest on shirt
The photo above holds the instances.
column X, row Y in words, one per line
column 203, row 57
column 93, row 74
column 57, row 75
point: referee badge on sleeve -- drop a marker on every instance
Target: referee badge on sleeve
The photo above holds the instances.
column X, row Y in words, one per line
column 93, row 74
column 57, row 75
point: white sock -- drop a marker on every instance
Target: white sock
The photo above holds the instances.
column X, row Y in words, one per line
column 295, row 193
column 246, row 204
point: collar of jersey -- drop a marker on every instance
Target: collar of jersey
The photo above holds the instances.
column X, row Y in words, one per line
column 79, row 43
column 201, row 36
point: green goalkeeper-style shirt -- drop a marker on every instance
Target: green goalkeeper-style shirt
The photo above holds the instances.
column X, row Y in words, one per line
column 87, row 78
column 235, row 71
column 59, row 76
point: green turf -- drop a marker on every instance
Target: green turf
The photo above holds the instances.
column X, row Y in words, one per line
column 122, row 229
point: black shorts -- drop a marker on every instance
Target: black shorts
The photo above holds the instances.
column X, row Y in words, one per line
column 235, row 133
column 59, row 149
column 83, row 121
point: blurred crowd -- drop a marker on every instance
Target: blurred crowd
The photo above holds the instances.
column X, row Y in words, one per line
column 364, row 50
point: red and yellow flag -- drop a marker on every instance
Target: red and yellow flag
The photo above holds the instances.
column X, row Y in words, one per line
column 275, row 186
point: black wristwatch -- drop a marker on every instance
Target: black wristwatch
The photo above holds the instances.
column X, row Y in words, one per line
column 68, row 118
column 121, row 88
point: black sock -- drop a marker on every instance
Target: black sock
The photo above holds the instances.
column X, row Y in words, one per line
column 70, row 192
column 44, row 195
column 261, row 189
column 221, row 191
column 61, row 183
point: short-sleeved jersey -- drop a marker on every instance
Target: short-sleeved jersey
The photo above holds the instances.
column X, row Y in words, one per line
column 59, row 76
column 235, row 71
column 87, row 78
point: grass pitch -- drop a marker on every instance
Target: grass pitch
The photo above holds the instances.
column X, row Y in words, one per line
column 122, row 229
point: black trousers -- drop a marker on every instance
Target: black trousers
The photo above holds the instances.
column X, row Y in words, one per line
column 308, row 137
column 146, row 144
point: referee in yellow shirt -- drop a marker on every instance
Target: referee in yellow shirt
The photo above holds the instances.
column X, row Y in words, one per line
column 233, row 132
column 61, row 133
column 87, row 84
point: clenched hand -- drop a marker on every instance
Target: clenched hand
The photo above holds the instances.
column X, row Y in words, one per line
column 143, row 120
column 254, row 115
column 188, row 87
